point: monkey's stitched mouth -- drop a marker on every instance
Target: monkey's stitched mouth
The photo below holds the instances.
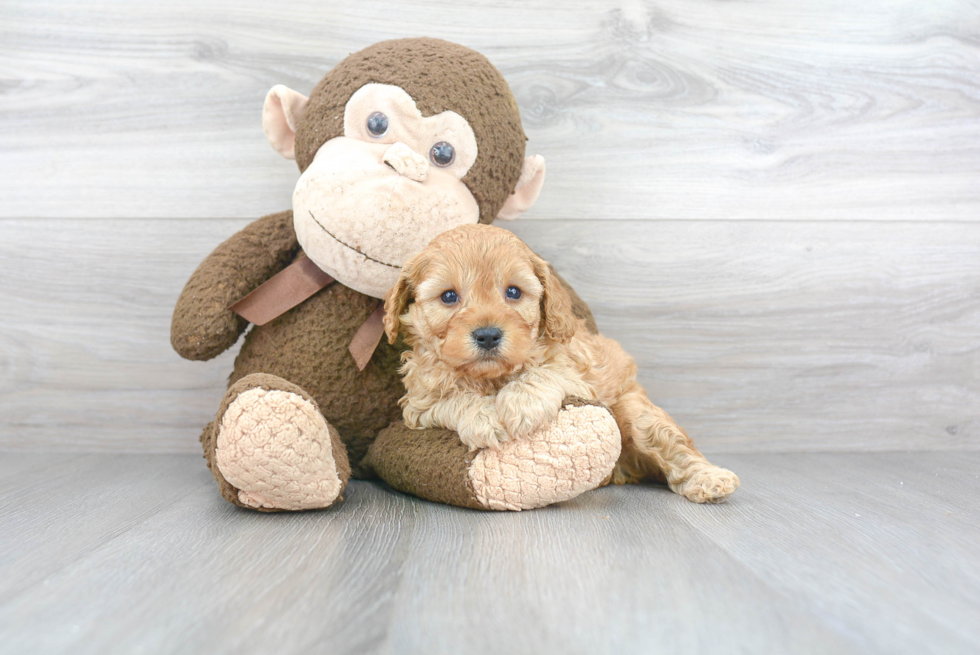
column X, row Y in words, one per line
column 349, row 247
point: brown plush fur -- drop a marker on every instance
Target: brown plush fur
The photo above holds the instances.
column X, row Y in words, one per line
column 403, row 458
column 440, row 76
column 202, row 326
column 545, row 355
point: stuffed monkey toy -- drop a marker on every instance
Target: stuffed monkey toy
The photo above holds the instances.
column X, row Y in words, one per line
column 398, row 143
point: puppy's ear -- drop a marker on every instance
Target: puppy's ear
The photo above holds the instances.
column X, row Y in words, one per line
column 556, row 305
column 398, row 297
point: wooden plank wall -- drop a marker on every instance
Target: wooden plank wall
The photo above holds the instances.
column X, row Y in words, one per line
column 774, row 206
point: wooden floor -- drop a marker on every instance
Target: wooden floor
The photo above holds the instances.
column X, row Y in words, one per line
column 821, row 553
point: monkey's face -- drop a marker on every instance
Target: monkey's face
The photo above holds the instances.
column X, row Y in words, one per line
column 387, row 143
column 377, row 195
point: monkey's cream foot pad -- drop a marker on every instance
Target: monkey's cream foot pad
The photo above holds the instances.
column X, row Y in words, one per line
column 575, row 454
column 275, row 448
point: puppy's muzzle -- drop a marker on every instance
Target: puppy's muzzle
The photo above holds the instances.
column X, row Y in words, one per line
column 488, row 338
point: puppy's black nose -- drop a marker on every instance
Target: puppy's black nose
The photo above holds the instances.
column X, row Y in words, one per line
column 488, row 338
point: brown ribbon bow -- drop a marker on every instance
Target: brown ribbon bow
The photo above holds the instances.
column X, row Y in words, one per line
column 294, row 284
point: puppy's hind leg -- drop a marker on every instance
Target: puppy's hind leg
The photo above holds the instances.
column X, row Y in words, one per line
column 654, row 447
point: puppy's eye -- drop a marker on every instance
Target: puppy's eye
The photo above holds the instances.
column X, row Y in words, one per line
column 514, row 293
column 442, row 154
column 377, row 124
column 449, row 297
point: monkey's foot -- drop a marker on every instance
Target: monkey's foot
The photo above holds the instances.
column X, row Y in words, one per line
column 276, row 449
column 711, row 484
column 574, row 454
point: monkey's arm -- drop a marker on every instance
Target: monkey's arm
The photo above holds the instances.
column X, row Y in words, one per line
column 203, row 327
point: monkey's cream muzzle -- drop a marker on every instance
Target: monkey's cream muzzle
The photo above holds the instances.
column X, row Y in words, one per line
column 362, row 209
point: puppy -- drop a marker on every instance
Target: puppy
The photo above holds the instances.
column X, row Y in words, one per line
column 496, row 348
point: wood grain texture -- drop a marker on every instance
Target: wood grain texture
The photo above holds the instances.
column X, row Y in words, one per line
column 816, row 553
column 756, row 336
column 772, row 336
column 89, row 500
column 664, row 109
column 85, row 336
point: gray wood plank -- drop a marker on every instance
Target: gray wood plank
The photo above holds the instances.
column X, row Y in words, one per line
column 655, row 109
column 590, row 577
column 771, row 336
column 14, row 466
column 53, row 516
column 756, row 336
column 901, row 566
column 206, row 576
column 816, row 553
column 85, row 336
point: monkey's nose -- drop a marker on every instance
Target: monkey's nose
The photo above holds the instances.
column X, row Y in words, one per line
column 488, row 338
column 406, row 162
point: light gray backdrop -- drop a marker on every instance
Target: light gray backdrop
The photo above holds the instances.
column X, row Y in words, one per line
column 773, row 207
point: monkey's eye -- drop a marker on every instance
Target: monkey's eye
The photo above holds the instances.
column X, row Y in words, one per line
column 442, row 154
column 377, row 124
column 514, row 293
column 449, row 297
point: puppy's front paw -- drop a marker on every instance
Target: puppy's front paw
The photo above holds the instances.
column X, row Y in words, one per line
column 483, row 431
column 522, row 414
column 709, row 485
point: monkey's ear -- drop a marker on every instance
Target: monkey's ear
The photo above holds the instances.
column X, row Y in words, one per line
column 528, row 187
column 281, row 114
